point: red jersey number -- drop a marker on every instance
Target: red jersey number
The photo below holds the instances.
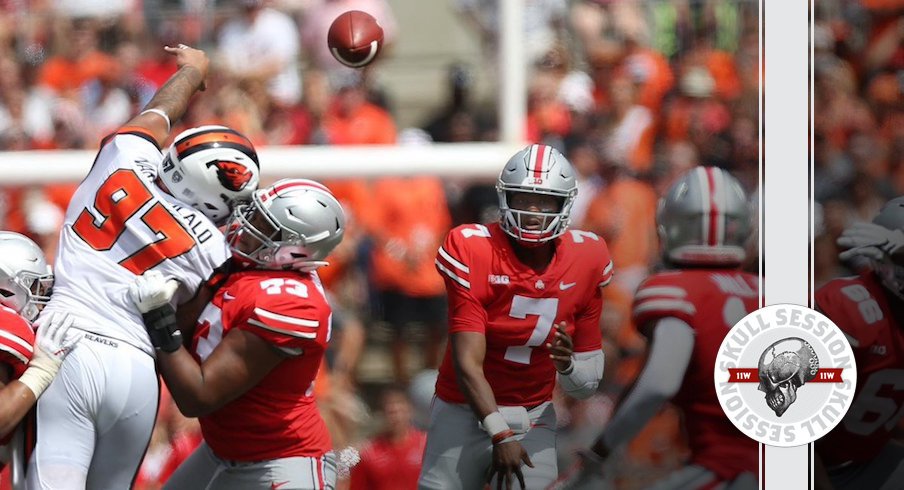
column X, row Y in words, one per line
column 118, row 199
column 545, row 309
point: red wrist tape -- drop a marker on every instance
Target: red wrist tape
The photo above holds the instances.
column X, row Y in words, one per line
column 502, row 436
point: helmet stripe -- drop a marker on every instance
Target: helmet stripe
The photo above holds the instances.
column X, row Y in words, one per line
column 298, row 183
column 207, row 139
column 706, row 202
column 542, row 154
column 715, row 212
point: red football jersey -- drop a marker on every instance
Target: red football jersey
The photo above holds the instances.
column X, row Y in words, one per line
column 862, row 308
column 711, row 301
column 491, row 292
column 389, row 465
column 277, row 418
column 16, row 341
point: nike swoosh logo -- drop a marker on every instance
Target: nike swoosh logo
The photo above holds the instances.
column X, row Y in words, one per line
column 275, row 486
column 563, row 286
column 227, row 296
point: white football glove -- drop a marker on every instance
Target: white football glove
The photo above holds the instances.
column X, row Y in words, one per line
column 52, row 345
column 152, row 290
column 871, row 241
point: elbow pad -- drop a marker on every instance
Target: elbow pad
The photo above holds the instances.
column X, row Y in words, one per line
column 585, row 375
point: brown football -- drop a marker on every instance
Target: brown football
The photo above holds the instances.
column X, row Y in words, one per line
column 355, row 38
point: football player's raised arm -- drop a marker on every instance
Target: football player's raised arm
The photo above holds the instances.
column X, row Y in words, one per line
column 236, row 365
column 171, row 100
column 668, row 358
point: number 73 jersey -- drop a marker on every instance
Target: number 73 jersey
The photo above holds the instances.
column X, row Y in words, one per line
column 491, row 292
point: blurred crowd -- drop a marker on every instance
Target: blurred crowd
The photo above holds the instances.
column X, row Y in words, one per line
column 859, row 126
column 633, row 92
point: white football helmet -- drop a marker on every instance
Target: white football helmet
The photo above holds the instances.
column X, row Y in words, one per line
column 210, row 168
column 537, row 169
column 25, row 276
column 704, row 219
column 305, row 224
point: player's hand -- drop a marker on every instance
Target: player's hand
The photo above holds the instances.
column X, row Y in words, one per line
column 871, row 241
column 51, row 347
column 51, row 340
column 152, row 290
column 506, row 467
column 561, row 349
column 188, row 56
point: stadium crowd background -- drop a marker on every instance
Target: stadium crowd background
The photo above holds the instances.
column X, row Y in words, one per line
column 633, row 92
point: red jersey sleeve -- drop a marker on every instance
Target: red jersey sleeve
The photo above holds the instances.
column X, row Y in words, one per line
column 658, row 297
column 595, row 253
column 453, row 261
column 587, row 334
column 286, row 315
column 16, row 341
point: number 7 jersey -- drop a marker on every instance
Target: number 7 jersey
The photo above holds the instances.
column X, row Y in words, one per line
column 491, row 292
column 119, row 224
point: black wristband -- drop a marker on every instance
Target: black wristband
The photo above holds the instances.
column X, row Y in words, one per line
column 162, row 328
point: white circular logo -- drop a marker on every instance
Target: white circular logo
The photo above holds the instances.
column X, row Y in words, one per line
column 785, row 375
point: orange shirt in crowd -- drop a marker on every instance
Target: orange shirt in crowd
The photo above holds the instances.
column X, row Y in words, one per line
column 409, row 221
column 624, row 212
column 368, row 125
column 62, row 74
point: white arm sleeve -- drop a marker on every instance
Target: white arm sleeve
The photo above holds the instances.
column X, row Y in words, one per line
column 586, row 373
column 670, row 354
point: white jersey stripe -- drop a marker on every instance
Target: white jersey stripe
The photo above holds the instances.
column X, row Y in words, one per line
column 608, row 268
column 18, row 355
column 605, row 283
column 452, row 275
column 660, row 291
column 291, row 333
column 665, row 305
column 301, row 322
column 16, row 339
column 458, row 265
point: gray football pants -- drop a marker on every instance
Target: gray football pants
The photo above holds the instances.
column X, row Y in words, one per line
column 205, row 471
column 459, row 453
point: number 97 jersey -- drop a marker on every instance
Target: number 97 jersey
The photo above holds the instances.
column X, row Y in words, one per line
column 862, row 309
column 118, row 225
column 491, row 292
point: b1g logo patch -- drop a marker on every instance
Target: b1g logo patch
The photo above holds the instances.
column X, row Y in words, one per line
column 785, row 375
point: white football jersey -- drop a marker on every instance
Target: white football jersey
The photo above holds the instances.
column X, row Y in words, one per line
column 119, row 224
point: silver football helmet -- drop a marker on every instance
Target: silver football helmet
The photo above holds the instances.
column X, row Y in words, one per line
column 704, row 219
column 210, row 168
column 293, row 224
column 891, row 216
column 25, row 276
column 537, row 169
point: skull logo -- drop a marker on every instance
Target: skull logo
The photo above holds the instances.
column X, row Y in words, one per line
column 784, row 367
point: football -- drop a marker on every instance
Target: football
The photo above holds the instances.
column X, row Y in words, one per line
column 355, row 38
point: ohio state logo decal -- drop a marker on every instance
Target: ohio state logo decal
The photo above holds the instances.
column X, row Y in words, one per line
column 785, row 375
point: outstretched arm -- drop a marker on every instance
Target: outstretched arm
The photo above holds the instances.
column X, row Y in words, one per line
column 663, row 373
column 171, row 100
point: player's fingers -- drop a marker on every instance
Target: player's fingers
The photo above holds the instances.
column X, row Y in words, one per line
column 520, row 476
column 509, row 478
column 525, row 458
column 565, row 340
